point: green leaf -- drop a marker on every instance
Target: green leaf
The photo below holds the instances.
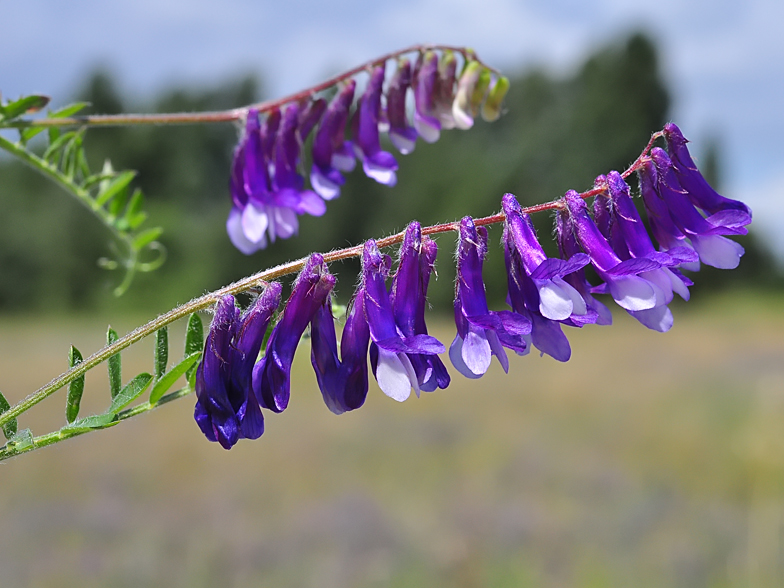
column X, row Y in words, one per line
column 134, row 215
column 82, row 165
column 58, row 144
column 71, row 155
column 75, row 388
column 26, row 134
column 191, row 375
column 194, row 339
column 114, row 365
column 131, row 392
column 68, row 110
column 9, row 429
column 117, row 203
column 167, row 381
column 96, row 421
column 161, row 352
column 90, row 181
column 53, row 132
column 21, row 441
column 146, row 237
column 119, row 183
column 25, row 105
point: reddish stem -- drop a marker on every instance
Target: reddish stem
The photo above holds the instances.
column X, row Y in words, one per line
column 235, row 113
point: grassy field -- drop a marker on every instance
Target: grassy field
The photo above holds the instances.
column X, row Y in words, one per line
column 647, row 460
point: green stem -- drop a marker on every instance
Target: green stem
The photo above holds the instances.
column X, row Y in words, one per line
column 233, row 114
column 63, row 434
column 67, row 184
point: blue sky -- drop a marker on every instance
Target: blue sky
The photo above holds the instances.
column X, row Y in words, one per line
column 724, row 59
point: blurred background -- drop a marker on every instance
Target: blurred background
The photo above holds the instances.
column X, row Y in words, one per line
column 648, row 460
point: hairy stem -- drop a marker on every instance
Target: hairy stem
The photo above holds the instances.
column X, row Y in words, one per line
column 62, row 435
column 184, row 118
column 258, row 279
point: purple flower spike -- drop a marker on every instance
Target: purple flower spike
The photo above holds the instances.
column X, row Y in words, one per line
column 426, row 119
column 343, row 384
column 705, row 234
column 331, row 152
column 226, row 407
column 408, row 297
column 379, row 165
column 388, row 354
column 401, row 134
column 271, row 376
column 697, row 188
column 481, row 333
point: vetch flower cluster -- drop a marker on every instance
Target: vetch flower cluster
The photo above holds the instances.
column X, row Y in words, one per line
column 267, row 182
column 385, row 320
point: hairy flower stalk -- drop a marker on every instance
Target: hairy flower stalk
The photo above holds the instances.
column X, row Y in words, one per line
column 386, row 324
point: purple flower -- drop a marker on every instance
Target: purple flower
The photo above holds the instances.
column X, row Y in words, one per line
column 343, row 384
column 481, row 333
column 537, row 289
column 401, row 134
column 426, row 119
column 226, row 407
column 388, row 354
column 626, row 280
column 568, row 247
column 265, row 205
column 444, row 93
column 629, row 239
column 379, row 165
column 697, row 188
column 408, row 297
column 332, row 154
column 271, row 376
column 704, row 234
column 309, row 117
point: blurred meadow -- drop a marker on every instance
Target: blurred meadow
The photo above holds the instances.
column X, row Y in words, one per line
column 647, row 460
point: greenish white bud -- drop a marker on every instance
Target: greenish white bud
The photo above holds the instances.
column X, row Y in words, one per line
column 462, row 107
column 491, row 109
